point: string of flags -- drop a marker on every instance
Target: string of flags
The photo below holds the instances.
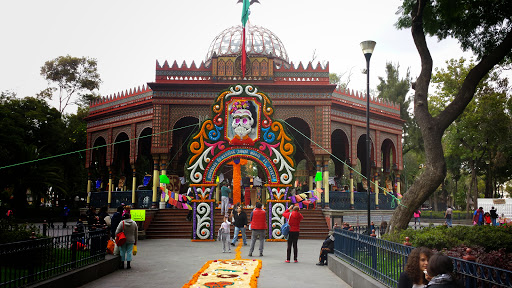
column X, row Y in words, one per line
column 176, row 199
column 303, row 200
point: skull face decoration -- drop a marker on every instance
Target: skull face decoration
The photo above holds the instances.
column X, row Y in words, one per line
column 243, row 122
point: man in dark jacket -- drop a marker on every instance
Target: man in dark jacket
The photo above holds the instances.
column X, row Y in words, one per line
column 327, row 247
column 240, row 225
column 258, row 227
column 494, row 216
column 116, row 219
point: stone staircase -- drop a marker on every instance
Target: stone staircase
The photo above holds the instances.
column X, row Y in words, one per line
column 172, row 224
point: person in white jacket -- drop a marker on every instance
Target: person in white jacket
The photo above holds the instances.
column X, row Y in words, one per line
column 224, row 232
column 130, row 229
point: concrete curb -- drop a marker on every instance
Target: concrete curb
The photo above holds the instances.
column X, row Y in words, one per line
column 82, row 275
column 351, row 275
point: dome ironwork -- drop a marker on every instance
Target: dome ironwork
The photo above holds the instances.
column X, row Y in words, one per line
column 259, row 42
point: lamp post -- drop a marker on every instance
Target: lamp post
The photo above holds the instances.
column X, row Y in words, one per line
column 367, row 47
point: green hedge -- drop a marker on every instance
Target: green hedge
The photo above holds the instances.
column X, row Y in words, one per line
column 439, row 237
column 13, row 232
column 440, row 214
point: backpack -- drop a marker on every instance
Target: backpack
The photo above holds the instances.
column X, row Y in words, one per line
column 285, row 229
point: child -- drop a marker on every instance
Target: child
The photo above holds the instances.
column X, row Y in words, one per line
column 503, row 220
column 224, row 235
column 487, row 218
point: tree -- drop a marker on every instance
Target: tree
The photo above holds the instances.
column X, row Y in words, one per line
column 335, row 78
column 480, row 136
column 480, row 26
column 395, row 89
column 481, row 132
column 30, row 130
column 72, row 75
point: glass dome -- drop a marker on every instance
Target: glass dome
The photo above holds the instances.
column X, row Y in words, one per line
column 259, row 42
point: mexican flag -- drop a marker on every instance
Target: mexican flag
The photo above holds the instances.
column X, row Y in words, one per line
column 245, row 18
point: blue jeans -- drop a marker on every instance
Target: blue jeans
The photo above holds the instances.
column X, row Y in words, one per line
column 127, row 249
column 493, row 220
column 235, row 236
column 224, row 206
column 449, row 222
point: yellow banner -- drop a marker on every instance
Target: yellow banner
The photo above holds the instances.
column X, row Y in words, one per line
column 138, row 214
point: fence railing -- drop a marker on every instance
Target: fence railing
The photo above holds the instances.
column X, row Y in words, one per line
column 27, row 262
column 384, row 261
column 143, row 198
column 341, row 201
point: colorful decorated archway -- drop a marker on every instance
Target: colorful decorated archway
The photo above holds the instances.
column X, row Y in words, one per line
column 241, row 127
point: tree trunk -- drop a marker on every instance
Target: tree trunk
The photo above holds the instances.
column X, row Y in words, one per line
column 476, row 192
column 471, row 183
column 432, row 128
column 454, row 193
column 436, row 198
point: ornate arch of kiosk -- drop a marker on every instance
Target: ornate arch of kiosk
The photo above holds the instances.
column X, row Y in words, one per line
column 241, row 127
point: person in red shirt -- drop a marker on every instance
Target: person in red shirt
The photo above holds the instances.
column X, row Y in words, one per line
column 293, row 235
column 258, row 227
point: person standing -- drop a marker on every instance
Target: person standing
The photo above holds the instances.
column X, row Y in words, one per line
column 104, row 217
column 116, row 219
column 224, row 192
column 224, row 232
column 487, row 218
column 417, row 216
column 50, row 218
column 293, row 236
column 494, row 215
column 258, row 227
column 305, row 187
column 240, row 225
column 92, row 217
column 131, row 231
column 478, row 216
column 257, row 184
column 448, row 216
column 65, row 216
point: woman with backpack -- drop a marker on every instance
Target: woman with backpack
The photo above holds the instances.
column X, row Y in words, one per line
column 131, row 231
column 293, row 236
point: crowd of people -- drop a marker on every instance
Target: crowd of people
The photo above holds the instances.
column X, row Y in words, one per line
column 120, row 221
column 480, row 217
column 258, row 225
column 423, row 269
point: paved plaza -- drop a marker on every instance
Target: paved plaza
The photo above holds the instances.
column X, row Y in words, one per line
column 172, row 263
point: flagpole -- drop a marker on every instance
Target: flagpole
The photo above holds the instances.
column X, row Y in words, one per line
column 245, row 18
column 244, row 53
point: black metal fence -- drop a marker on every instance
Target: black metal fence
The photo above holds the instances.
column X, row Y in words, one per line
column 384, row 261
column 143, row 198
column 27, row 262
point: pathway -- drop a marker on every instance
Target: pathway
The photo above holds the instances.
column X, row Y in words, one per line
column 173, row 262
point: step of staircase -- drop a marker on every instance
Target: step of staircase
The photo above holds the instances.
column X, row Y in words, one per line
column 172, row 224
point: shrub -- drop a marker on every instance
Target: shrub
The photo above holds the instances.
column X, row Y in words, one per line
column 498, row 258
column 13, row 232
column 490, row 238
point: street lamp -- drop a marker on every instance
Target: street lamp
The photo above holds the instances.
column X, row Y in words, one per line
column 367, row 47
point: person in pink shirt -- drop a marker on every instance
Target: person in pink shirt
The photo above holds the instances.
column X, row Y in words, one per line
column 293, row 236
column 417, row 215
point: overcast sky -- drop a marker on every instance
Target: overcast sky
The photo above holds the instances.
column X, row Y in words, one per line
column 127, row 37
